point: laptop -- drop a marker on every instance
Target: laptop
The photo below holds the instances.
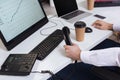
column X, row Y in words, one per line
column 68, row 10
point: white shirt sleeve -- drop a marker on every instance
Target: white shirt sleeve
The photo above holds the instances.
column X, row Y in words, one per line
column 102, row 57
column 116, row 27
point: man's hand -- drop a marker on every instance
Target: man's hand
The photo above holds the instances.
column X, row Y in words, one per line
column 73, row 51
column 102, row 25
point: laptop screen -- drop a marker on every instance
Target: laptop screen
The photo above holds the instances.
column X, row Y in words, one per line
column 65, row 6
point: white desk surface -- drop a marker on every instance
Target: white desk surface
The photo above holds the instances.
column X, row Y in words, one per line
column 57, row 59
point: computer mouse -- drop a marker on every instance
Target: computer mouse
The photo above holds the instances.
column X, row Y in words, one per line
column 88, row 30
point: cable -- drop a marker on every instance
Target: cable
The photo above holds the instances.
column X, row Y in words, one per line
column 54, row 77
column 64, row 25
column 35, row 72
column 43, row 71
column 55, row 24
column 61, row 22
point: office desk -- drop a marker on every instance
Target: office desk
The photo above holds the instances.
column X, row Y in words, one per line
column 57, row 59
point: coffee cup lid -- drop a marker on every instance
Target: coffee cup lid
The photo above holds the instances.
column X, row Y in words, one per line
column 80, row 24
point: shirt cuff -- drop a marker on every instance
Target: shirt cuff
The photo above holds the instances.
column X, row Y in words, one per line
column 116, row 27
column 85, row 55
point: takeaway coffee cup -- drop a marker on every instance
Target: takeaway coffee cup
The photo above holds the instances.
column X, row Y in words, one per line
column 80, row 30
column 90, row 4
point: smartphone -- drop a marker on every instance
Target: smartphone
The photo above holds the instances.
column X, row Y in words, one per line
column 99, row 16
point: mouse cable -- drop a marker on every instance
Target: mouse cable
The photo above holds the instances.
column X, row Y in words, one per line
column 53, row 76
column 55, row 24
column 64, row 24
column 52, row 21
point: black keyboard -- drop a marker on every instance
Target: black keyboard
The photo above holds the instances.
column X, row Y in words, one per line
column 48, row 44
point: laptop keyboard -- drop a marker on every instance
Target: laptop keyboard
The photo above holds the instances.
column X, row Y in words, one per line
column 73, row 14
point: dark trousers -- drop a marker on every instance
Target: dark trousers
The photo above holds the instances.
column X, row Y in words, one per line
column 82, row 71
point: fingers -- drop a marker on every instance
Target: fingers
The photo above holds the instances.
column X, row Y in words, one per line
column 69, row 46
column 98, row 26
column 74, row 44
column 97, row 23
column 94, row 22
column 66, row 51
column 65, row 46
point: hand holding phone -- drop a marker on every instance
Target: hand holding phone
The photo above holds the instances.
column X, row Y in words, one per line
column 66, row 33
